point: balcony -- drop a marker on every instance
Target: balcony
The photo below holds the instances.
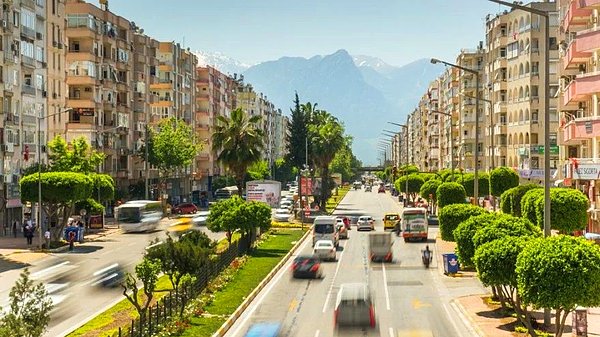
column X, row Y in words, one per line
column 576, row 15
column 82, row 80
column 581, row 87
column 574, row 56
column 81, row 102
column 589, row 4
column 581, row 129
column 162, row 86
column 28, row 90
column 500, row 129
column 588, row 40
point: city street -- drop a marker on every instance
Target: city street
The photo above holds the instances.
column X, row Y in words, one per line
column 409, row 299
column 71, row 273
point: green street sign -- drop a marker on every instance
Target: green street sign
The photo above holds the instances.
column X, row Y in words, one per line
column 553, row 149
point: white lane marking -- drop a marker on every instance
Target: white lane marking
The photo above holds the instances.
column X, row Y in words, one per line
column 43, row 272
column 337, row 268
column 466, row 322
column 317, row 333
column 391, row 332
column 450, row 317
column 266, row 290
column 385, row 287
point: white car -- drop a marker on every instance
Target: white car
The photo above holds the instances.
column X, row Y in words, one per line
column 365, row 222
column 282, row 215
column 200, row 218
column 325, row 250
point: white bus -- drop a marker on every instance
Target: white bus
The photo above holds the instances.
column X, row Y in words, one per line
column 139, row 215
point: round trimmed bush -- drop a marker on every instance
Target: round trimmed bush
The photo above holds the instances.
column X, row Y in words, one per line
column 501, row 179
column 464, row 232
column 569, row 210
column 452, row 215
column 505, row 226
column 450, row 193
column 528, row 210
column 430, row 188
column 496, row 261
column 510, row 201
column 468, row 182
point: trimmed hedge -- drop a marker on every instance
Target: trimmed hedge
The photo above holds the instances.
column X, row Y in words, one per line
column 452, row 215
column 464, row 232
column 430, row 187
column 501, row 179
column 569, row 210
column 510, row 201
column 450, row 193
column 505, row 226
column 528, row 210
column 468, row 182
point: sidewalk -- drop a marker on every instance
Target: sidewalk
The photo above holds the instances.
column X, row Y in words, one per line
column 15, row 253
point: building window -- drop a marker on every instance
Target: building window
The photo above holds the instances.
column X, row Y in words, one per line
column 40, row 3
column 39, row 54
column 553, row 139
column 27, row 19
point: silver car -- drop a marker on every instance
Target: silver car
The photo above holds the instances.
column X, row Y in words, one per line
column 365, row 222
column 325, row 250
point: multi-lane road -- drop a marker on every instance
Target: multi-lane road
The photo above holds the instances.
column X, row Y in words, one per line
column 410, row 300
column 71, row 273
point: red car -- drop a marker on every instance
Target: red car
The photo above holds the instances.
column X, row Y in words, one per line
column 185, row 208
column 381, row 189
column 346, row 221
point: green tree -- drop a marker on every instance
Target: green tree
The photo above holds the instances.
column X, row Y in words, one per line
column 91, row 206
column 146, row 273
column 429, row 191
column 464, row 232
column 510, row 201
column 415, row 182
column 450, row 193
column 259, row 170
column 298, row 135
column 569, row 210
column 172, row 146
column 561, row 273
column 506, row 225
column 452, row 215
column 239, row 141
column 342, row 163
column 284, row 171
column 222, row 181
column 60, row 192
column 104, row 187
column 528, row 210
column 252, row 215
column 496, row 267
column 326, row 138
column 222, row 216
column 75, row 157
column 29, row 312
column 468, row 182
column 408, row 169
column 501, row 179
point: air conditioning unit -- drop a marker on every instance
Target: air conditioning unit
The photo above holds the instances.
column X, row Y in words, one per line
column 38, row 35
column 4, row 23
column 8, row 178
column 9, row 147
column 44, row 93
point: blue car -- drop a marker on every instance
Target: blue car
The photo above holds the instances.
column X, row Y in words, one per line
column 264, row 330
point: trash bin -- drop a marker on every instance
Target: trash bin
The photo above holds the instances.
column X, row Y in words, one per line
column 451, row 265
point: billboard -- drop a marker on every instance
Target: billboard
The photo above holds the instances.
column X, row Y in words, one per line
column 267, row 191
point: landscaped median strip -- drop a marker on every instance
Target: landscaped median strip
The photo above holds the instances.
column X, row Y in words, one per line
column 237, row 313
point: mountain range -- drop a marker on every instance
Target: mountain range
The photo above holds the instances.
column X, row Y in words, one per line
column 364, row 92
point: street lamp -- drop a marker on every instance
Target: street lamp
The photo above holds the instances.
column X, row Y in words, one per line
column 39, row 171
column 476, row 73
column 546, row 64
column 404, row 126
column 451, row 138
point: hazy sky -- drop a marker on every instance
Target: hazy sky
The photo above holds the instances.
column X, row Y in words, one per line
column 252, row 31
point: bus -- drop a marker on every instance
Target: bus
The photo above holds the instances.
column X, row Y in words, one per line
column 139, row 215
column 414, row 224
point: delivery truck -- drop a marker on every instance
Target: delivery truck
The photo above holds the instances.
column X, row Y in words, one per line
column 380, row 247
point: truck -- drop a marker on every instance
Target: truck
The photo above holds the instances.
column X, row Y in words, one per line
column 414, row 224
column 380, row 247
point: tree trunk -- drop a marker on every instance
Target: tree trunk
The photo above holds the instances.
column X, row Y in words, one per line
column 240, row 174
column 324, row 186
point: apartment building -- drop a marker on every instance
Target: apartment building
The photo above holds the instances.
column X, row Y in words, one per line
column 175, row 92
column 215, row 97
column 580, row 93
column 24, row 96
column 448, row 107
column 471, row 59
column 280, row 135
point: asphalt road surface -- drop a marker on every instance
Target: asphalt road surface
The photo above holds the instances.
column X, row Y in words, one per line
column 409, row 299
column 68, row 276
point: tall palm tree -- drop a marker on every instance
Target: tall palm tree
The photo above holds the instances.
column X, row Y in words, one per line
column 239, row 141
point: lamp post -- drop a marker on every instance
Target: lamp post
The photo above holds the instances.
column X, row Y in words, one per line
column 451, row 138
column 39, row 171
column 476, row 73
column 546, row 63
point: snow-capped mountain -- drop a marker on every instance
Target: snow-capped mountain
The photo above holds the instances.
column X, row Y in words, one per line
column 222, row 62
column 374, row 63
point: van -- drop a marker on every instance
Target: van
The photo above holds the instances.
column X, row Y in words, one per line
column 226, row 192
column 324, row 228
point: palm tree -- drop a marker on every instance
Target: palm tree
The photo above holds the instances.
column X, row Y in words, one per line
column 239, row 142
column 326, row 139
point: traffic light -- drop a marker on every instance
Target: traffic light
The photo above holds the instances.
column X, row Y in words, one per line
column 26, row 153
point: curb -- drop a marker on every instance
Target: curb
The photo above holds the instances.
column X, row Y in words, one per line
column 238, row 312
column 466, row 318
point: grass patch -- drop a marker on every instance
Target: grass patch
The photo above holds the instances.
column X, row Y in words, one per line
column 334, row 201
column 120, row 315
column 261, row 261
column 205, row 326
column 275, row 224
column 222, row 245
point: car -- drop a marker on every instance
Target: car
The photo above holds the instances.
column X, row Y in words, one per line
column 368, row 188
column 381, row 189
column 185, row 208
column 200, row 218
column 353, row 306
column 264, row 329
column 342, row 230
column 109, row 276
column 432, row 220
column 346, row 221
column 282, row 215
column 305, row 266
column 365, row 222
column 325, row 250
column 387, row 187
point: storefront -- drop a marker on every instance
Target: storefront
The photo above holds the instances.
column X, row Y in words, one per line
column 585, row 176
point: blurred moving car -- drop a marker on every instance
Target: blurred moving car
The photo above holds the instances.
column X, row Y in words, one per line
column 307, row 267
column 381, row 189
column 282, row 215
column 264, row 329
column 342, row 230
column 185, row 208
column 110, row 276
column 346, row 221
column 200, row 218
column 353, row 306
column 365, row 222
column 325, row 250
column 287, row 204
column 368, row 188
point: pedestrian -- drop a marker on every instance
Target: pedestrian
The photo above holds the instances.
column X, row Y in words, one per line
column 29, row 234
column 14, row 228
column 47, row 238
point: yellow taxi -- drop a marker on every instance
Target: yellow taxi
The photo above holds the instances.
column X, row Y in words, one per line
column 390, row 220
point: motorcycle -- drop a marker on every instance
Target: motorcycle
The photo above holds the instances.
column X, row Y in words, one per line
column 426, row 257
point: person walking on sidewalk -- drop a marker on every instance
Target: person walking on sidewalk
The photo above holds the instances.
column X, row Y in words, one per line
column 14, row 228
column 29, row 234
